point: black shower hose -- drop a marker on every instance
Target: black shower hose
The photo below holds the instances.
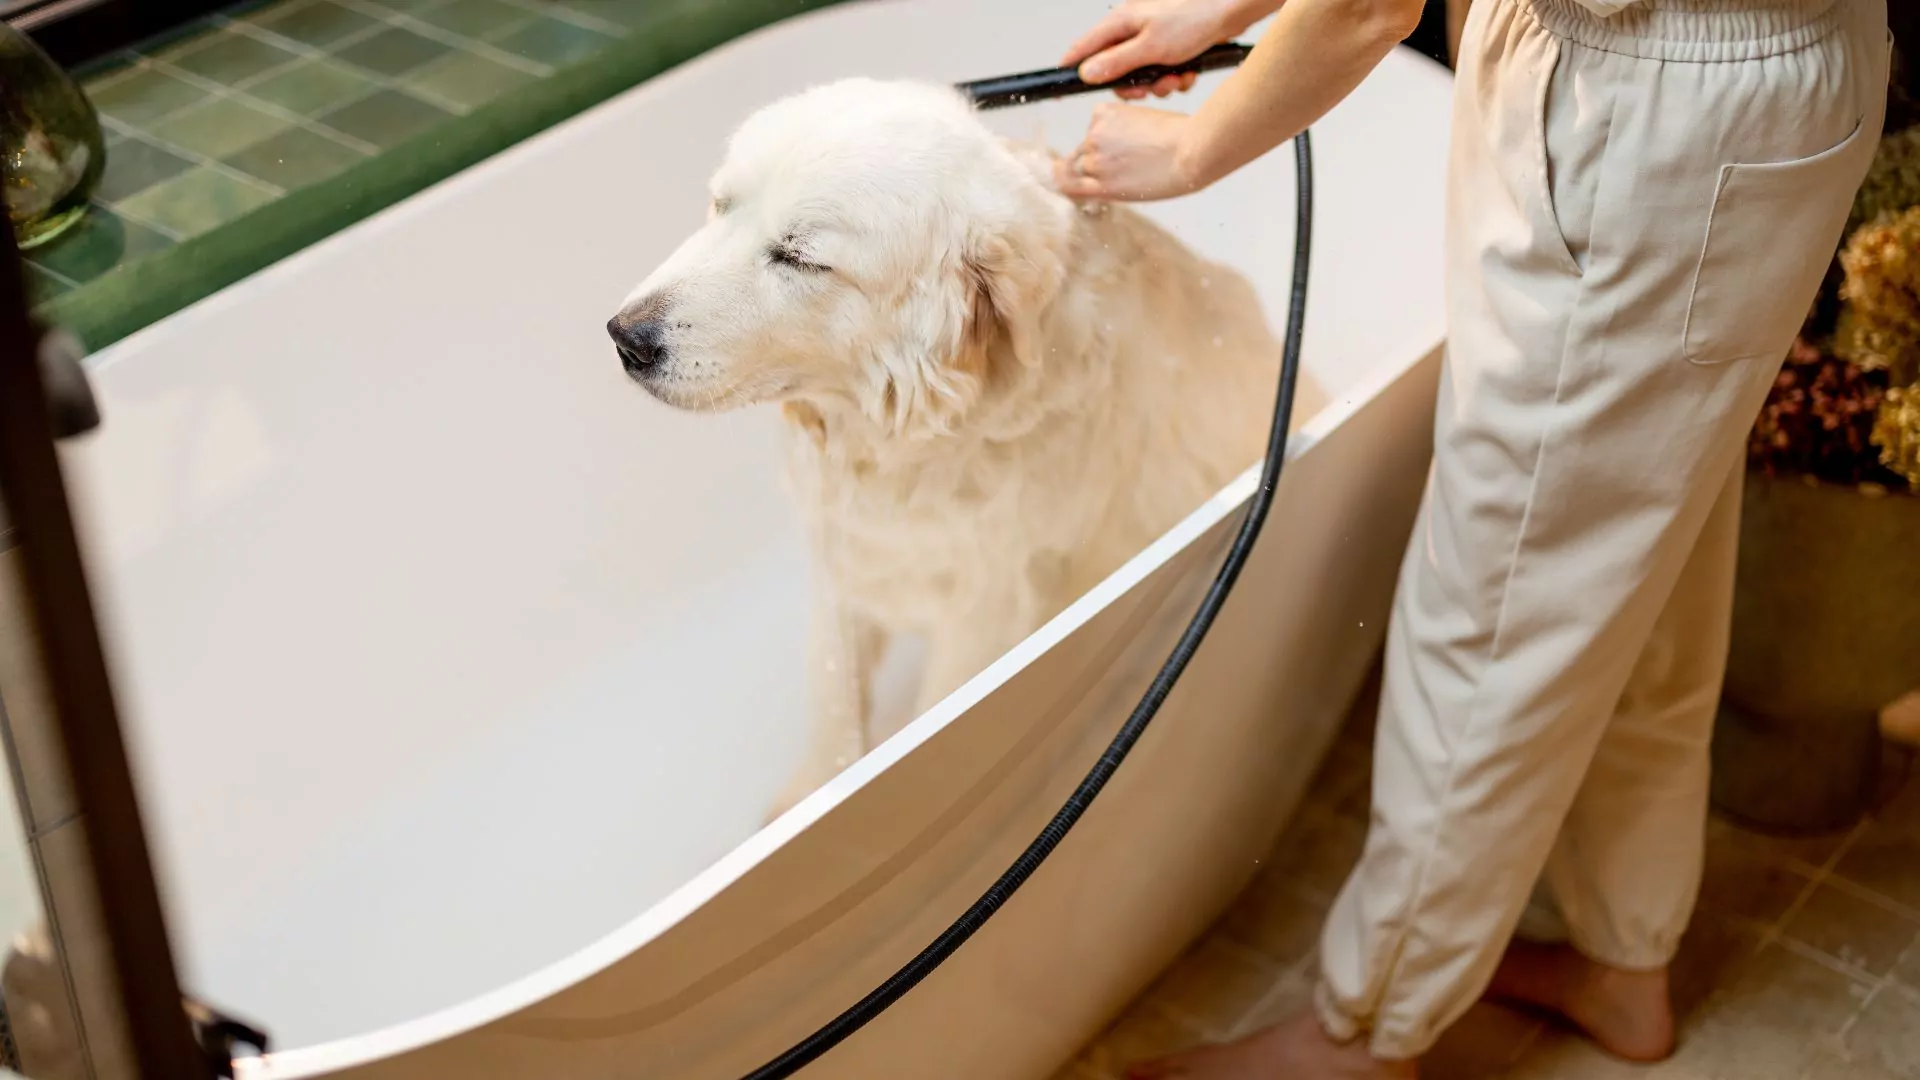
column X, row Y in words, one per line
column 1016, row 90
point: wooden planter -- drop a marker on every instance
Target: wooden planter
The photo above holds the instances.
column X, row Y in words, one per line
column 1826, row 632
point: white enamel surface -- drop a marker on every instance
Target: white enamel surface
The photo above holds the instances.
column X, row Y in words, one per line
column 459, row 670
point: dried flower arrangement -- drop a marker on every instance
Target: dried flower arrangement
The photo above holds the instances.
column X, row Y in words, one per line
column 1845, row 408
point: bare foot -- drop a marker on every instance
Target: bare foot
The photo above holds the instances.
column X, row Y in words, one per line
column 1628, row 1013
column 1297, row 1049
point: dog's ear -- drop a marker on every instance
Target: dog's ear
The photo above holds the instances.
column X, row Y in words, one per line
column 1015, row 268
column 983, row 318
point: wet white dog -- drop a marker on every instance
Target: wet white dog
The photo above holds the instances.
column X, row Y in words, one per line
column 995, row 396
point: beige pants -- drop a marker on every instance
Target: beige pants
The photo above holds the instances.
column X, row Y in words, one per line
column 1641, row 209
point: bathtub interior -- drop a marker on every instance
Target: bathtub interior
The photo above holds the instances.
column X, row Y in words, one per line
column 445, row 652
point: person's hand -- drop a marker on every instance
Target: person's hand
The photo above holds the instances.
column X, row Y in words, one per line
column 1143, row 32
column 1133, row 154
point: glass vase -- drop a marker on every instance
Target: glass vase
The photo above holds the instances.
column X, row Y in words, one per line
column 51, row 150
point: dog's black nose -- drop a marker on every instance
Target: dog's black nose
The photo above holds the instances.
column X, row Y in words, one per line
column 642, row 343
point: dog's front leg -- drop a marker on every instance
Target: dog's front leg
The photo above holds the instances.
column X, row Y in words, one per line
column 844, row 647
column 965, row 646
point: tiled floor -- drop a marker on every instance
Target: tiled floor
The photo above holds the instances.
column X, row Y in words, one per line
column 238, row 109
column 1803, row 962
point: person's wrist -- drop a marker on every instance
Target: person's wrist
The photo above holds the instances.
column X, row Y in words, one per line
column 1192, row 161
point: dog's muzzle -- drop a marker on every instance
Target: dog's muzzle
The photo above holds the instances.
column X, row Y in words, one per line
column 641, row 343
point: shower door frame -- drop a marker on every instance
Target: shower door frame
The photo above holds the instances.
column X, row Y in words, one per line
column 163, row 1038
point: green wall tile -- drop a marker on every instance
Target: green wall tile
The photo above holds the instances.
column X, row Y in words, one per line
column 384, row 119
column 394, row 51
column 133, row 166
column 294, row 158
column 144, row 96
column 42, row 286
column 231, row 58
column 467, row 80
column 219, row 127
column 312, row 87
column 99, row 242
column 317, row 24
column 474, row 18
column 554, row 42
column 195, row 201
column 627, row 13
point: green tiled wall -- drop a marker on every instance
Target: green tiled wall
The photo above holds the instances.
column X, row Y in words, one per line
column 235, row 111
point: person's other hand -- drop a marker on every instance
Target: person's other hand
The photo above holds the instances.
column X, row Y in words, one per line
column 1143, row 32
column 1132, row 154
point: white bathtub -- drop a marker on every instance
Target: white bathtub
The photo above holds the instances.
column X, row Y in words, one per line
column 460, row 672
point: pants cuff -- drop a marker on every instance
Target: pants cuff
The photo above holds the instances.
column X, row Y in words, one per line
column 1342, row 1027
column 1614, row 955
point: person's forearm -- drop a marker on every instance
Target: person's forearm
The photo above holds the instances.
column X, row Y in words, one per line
column 1311, row 57
column 1244, row 13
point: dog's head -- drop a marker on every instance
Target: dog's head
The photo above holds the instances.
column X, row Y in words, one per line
column 869, row 245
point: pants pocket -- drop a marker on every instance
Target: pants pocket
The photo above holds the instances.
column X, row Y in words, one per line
column 1770, row 238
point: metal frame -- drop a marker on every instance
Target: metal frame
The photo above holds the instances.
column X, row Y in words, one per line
column 164, row 1041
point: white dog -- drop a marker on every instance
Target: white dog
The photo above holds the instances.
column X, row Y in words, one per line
column 995, row 396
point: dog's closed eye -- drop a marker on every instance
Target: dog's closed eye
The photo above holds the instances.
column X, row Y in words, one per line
column 788, row 252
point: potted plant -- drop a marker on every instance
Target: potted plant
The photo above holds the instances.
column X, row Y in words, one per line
column 1826, row 630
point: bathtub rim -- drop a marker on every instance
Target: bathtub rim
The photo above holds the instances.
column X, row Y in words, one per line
column 647, row 926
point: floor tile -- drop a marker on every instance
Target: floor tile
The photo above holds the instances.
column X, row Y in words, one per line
column 75, row 901
column 554, row 42
column 219, row 127
column 478, row 19
column 1777, row 1010
column 1276, row 920
column 1830, row 1064
column 394, row 51
column 1323, row 857
column 100, row 242
column 1558, row 1055
column 1214, row 985
column 1745, row 879
column 1812, row 851
column 232, row 57
column 1141, row 1035
column 467, row 80
column 1712, row 950
column 1886, row 861
column 1858, row 932
column 144, row 97
column 1907, row 969
column 319, row 24
column 133, row 166
column 295, row 158
column 1286, row 999
column 1887, row 1035
column 312, row 87
column 1902, row 809
column 195, row 201
column 46, row 797
column 385, row 118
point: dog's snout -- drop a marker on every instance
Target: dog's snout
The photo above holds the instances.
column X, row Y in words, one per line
column 641, row 342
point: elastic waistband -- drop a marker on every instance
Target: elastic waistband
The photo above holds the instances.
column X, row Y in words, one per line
column 1700, row 31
